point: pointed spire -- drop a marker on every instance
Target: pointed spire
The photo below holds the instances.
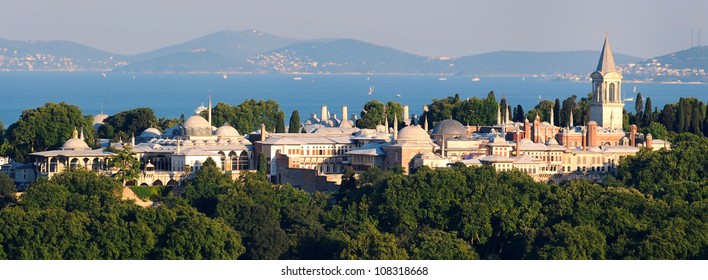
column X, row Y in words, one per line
column 607, row 60
column 570, row 122
column 552, row 117
column 425, row 125
column 507, row 116
column 81, row 136
column 395, row 126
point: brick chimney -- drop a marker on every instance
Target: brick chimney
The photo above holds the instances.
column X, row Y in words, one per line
column 633, row 135
column 649, row 138
column 537, row 129
column 527, row 129
column 592, row 134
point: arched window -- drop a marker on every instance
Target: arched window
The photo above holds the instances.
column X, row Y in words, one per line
column 243, row 158
column 612, row 92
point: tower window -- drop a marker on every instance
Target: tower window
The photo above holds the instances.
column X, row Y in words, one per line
column 612, row 92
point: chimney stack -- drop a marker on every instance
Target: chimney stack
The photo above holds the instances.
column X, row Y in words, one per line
column 648, row 143
column 406, row 116
column 344, row 114
column 323, row 114
column 527, row 129
column 592, row 134
column 633, row 135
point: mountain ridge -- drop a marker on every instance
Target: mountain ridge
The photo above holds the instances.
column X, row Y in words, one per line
column 252, row 51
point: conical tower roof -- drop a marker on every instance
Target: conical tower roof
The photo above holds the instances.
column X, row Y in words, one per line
column 607, row 60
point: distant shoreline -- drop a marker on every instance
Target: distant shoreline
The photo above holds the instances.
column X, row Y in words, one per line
column 535, row 76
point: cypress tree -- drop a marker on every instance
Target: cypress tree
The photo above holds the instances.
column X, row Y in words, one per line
column 294, row 125
column 262, row 165
column 647, row 119
column 556, row 113
column 280, row 123
column 639, row 104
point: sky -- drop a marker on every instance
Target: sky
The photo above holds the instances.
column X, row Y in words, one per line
column 430, row 28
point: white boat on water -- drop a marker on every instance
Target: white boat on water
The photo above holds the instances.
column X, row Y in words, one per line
column 371, row 89
column 225, row 76
column 297, row 79
column 442, row 79
column 475, row 79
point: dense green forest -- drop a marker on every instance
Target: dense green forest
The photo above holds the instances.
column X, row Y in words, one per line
column 655, row 208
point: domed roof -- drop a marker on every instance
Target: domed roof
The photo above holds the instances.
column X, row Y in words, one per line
column 226, row 130
column 413, row 133
column 499, row 140
column 151, row 133
column 99, row 118
column 75, row 144
column 381, row 128
column 197, row 121
column 449, row 127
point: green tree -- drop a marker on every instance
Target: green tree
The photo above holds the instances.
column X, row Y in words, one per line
column 194, row 236
column 574, row 243
column 280, row 123
column 45, row 128
column 569, row 105
column 208, row 182
column 294, row 125
column 519, row 114
column 648, row 115
column 371, row 244
column 657, row 130
column 440, row 245
column 262, row 166
column 639, row 104
column 556, row 113
column 372, row 115
column 7, row 190
column 125, row 124
column 128, row 167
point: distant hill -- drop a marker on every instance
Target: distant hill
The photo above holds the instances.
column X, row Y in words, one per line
column 342, row 56
column 192, row 62
column 55, row 56
column 234, row 44
column 526, row 63
column 696, row 57
column 251, row 51
column 689, row 65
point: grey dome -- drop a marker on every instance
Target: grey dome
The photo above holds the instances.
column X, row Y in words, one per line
column 449, row 127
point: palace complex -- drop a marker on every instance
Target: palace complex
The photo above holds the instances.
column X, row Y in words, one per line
column 317, row 158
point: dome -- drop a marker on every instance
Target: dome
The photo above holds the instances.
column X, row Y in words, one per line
column 381, row 128
column 151, row 133
column 413, row 133
column 197, row 126
column 449, row 127
column 197, row 121
column 75, row 144
column 499, row 140
column 226, row 130
column 98, row 119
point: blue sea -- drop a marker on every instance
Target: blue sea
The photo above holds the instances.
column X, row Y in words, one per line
column 171, row 95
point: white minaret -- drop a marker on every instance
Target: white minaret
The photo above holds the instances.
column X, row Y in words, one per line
column 210, row 124
column 551, row 116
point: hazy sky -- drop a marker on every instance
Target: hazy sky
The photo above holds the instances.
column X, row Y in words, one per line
column 452, row 28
